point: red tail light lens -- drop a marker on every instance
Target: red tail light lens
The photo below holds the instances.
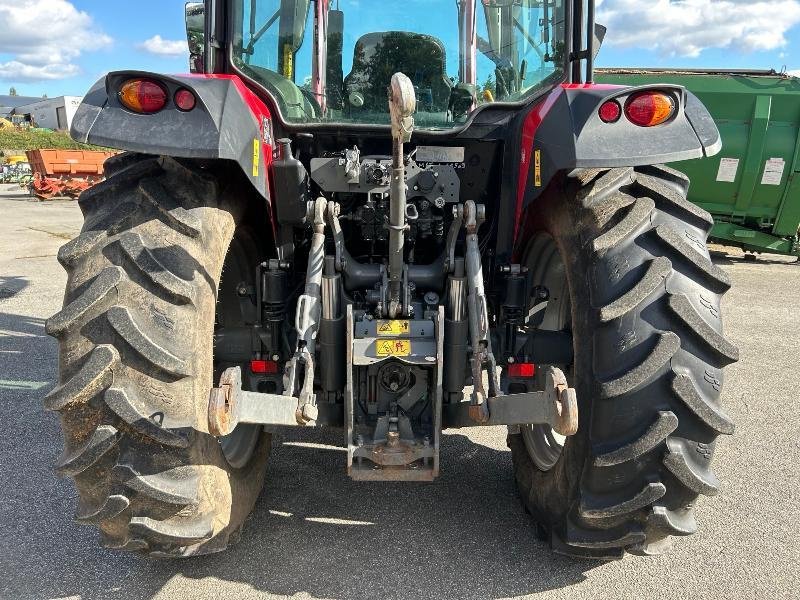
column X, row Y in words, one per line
column 143, row 96
column 610, row 111
column 647, row 109
column 264, row 367
column 185, row 100
column 521, row 370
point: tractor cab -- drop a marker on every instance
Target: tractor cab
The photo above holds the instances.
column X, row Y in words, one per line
column 330, row 62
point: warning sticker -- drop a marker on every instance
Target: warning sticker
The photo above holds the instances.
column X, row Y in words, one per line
column 393, row 347
column 727, row 170
column 393, row 328
column 256, row 156
column 288, row 61
column 773, row 171
column 537, row 168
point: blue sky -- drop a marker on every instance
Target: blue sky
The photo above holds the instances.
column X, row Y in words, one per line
column 62, row 46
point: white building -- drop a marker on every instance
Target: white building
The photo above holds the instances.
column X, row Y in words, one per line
column 51, row 113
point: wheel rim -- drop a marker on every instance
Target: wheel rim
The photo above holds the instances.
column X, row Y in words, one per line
column 238, row 447
column 546, row 267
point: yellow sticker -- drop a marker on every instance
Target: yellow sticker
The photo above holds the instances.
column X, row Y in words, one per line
column 288, row 61
column 537, row 168
column 393, row 328
column 256, row 156
column 393, row 347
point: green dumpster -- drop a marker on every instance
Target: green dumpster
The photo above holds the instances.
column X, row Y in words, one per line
column 752, row 187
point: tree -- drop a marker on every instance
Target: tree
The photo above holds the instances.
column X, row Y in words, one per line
column 13, row 91
column 44, row 96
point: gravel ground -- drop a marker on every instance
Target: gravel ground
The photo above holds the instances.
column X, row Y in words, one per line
column 314, row 534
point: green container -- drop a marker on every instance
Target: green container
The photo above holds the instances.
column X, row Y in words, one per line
column 752, row 187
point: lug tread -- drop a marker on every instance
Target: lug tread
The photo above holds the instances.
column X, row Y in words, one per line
column 713, row 341
column 121, row 319
column 667, row 346
column 71, row 252
column 716, row 278
column 593, row 508
column 131, row 411
column 653, row 279
column 708, row 413
column 107, row 191
column 640, row 213
column 177, row 218
column 178, row 486
column 95, row 376
column 148, row 265
column 641, row 232
column 102, row 439
column 114, row 505
column 614, row 538
column 655, row 435
column 76, row 311
column 602, row 187
column 693, row 212
column 182, row 533
column 673, row 522
column 125, row 544
column 687, row 473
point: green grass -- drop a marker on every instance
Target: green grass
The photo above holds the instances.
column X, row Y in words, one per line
column 37, row 139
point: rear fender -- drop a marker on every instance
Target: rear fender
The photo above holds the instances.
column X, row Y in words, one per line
column 564, row 132
column 229, row 122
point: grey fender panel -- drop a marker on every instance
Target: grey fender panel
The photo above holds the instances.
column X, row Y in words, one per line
column 221, row 126
column 572, row 136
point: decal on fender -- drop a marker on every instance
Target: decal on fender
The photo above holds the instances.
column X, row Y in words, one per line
column 266, row 131
column 537, row 168
column 256, row 156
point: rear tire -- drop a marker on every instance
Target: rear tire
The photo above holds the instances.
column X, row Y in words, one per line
column 136, row 361
column 649, row 353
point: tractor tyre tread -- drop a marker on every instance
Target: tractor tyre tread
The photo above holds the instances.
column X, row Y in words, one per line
column 649, row 358
column 135, row 361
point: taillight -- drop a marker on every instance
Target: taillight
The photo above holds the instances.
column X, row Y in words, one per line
column 610, row 111
column 521, row 370
column 185, row 100
column 647, row 109
column 263, row 367
column 143, row 96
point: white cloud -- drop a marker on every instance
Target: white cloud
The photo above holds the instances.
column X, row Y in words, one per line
column 44, row 38
column 795, row 73
column 162, row 47
column 687, row 27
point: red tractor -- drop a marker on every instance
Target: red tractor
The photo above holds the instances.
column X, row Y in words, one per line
column 393, row 219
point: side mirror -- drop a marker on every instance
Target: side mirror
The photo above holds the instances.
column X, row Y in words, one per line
column 599, row 36
column 196, row 35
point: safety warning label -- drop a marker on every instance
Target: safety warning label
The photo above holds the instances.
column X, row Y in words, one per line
column 773, row 171
column 393, row 328
column 727, row 170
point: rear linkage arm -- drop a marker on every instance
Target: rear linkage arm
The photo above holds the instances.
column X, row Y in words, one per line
column 556, row 405
column 477, row 307
column 309, row 312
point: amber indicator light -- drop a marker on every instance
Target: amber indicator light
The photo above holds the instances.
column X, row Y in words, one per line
column 143, row 96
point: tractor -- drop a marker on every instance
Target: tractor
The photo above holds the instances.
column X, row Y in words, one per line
column 392, row 219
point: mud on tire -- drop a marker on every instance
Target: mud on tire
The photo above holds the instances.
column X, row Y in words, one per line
column 649, row 353
column 135, row 361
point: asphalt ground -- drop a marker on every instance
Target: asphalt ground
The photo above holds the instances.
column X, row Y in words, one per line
column 315, row 534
